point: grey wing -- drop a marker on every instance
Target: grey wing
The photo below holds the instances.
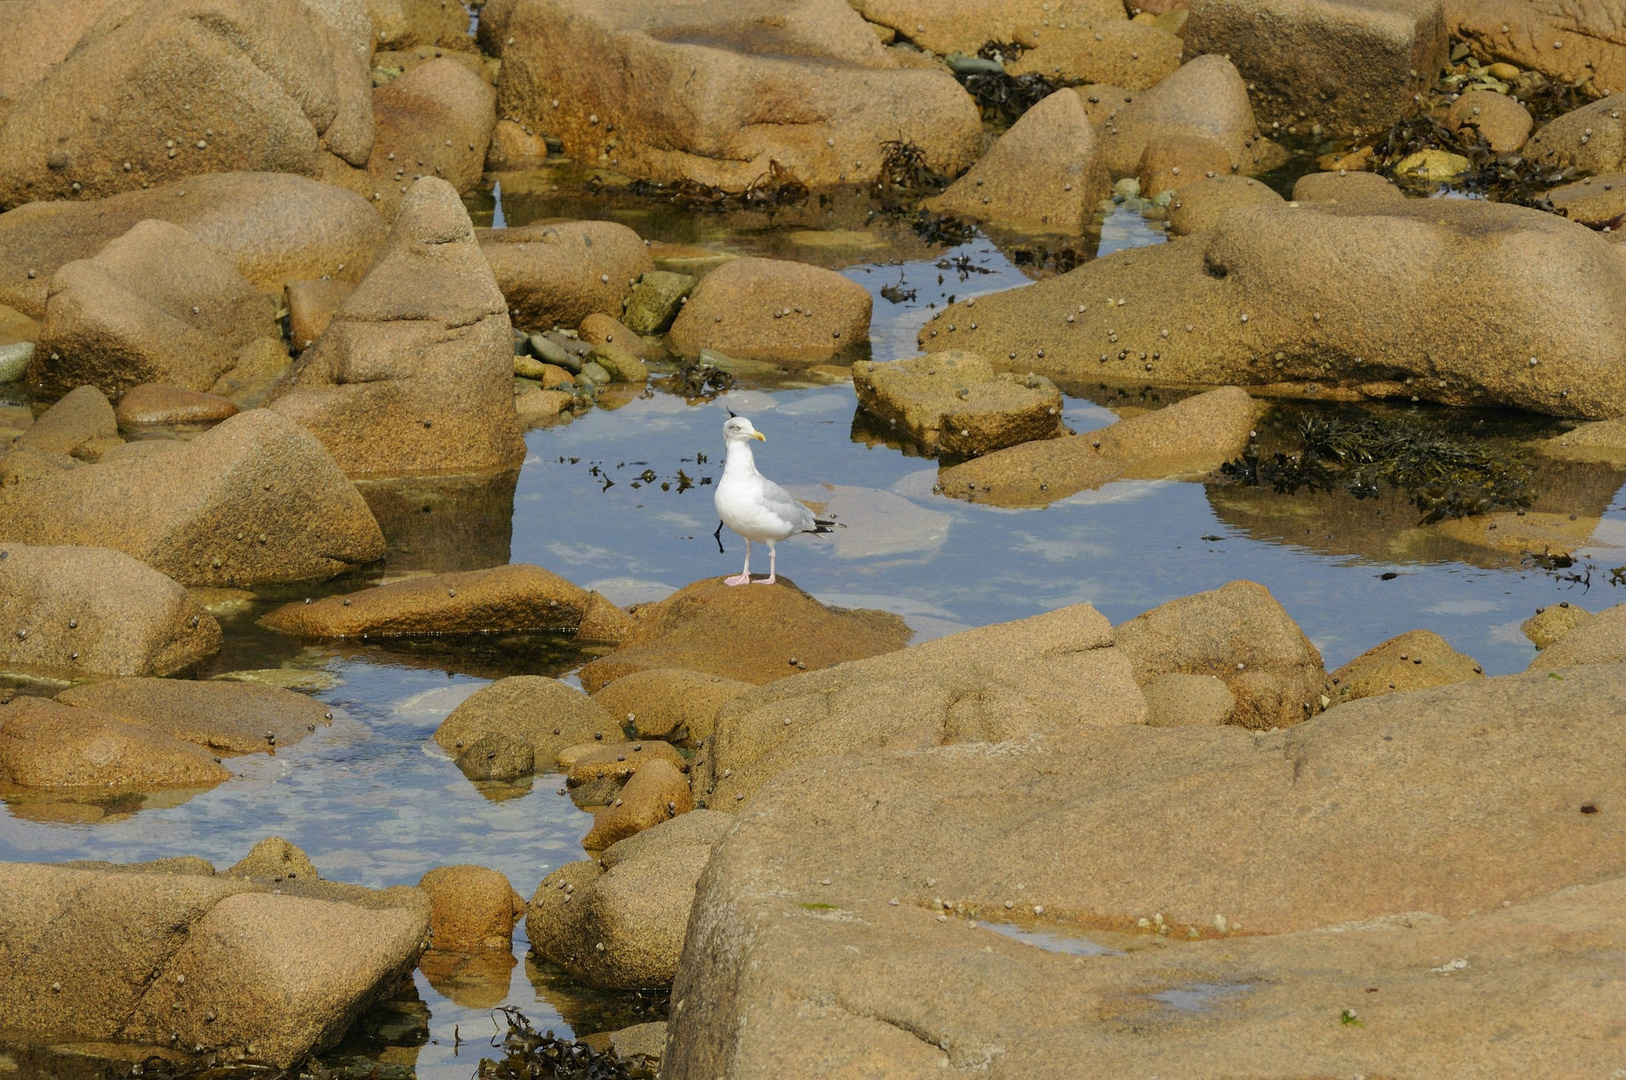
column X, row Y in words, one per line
column 781, row 504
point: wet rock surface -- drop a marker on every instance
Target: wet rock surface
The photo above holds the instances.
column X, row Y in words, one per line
column 1598, row 640
column 662, row 703
column 1190, row 437
column 472, row 907
column 955, row 403
column 810, row 88
column 1266, row 302
column 504, row 598
column 158, row 404
column 997, row 684
column 543, row 712
column 703, row 627
column 227, row 717
column 253, row 499
column 794, row 891
column 44, row 744
column 91, row 611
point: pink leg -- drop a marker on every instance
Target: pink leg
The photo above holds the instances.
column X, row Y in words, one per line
column 744, row 576
column 772, row 555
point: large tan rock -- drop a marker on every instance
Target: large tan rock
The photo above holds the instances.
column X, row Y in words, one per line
column 154, row 306
column 754, row 635
column 1549, row 624
column 44, row 744
column 1133, row 55
column 1200, row 201
column 156, row 90
column 82, row 424
column 803, row 85
column 1190, row 437
column 414, row 375
column 770, row 309
column 503, row 598
column 158, row 404
column 272, row 226
column 472, row 907
column 1239, row 634
column 1572, row 42
column 253, row 499
column 543, row 712
column 1498, row 118
column 1004, row 683
column 227, row 717
column 1046, row 174
column 1205, row 99
column 1338, row 67
column 1345, row 186
column 1358, row 296
column 1598, row 640
column 85, row 611
column 435, row 120
column 946, row 26
column 559, row 274
column 1415, row 660
column 662, row 703
column 656, row 792
column 798, row 964
column 955, row 403
column 622, row 926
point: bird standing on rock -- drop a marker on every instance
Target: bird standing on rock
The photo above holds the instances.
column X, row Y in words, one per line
column 752, row 505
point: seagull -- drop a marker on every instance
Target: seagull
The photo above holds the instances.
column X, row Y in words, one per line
column 752, row 505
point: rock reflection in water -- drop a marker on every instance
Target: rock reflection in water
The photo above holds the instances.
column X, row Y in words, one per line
column 444, row 523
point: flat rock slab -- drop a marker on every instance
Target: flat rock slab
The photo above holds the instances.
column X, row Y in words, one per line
column 1003, row 683
column 752, row 633
column 227, row 717
column 1409, row 809
column 44, row 744
column 956, row 403
column 254, row 499
column 1191, row 437
column 86, row 611
column 503, row 599
column 1293, row 296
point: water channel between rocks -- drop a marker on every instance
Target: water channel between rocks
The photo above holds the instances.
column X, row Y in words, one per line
column 373, row 801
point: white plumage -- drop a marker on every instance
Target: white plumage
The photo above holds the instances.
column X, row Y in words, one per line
column 752, row 505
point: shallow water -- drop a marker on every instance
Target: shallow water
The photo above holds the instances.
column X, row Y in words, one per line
column 373, row 801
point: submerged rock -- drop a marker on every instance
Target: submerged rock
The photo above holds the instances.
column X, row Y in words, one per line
column 254, row 499
column 622, row 926
column 471, row 907
column 955, row 403
column 503, row 598
column 1239, row 634
column 1292, row 296
column 44, row 744
column 1445, row 833
column 802, row 88
column 661, row 703
column 755, row 635
column 414, row 375
column 1191, row 437
column 543, row 712
column 273, row 227
column 1415, row 660
column 1004, row 683
column 86, row 611
column 1046, row 174
column 558, row 274
column 154, row 306
column 229, row 717
column 769, row 309
column 1338, row 69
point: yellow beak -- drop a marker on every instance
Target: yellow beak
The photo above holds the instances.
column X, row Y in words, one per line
column 759, row 436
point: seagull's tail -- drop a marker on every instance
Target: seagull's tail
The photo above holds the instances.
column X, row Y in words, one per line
column 821, row 526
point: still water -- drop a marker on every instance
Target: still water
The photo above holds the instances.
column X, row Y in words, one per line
column 373, row 801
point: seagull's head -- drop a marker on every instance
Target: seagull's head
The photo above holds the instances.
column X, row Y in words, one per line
column 739, row 429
